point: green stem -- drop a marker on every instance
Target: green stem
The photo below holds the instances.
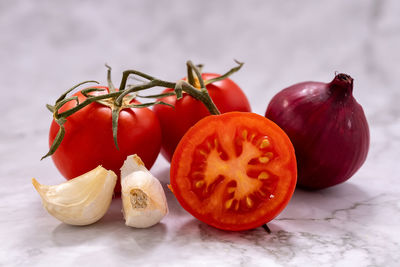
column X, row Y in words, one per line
column 85, row 103
column 57, row 140
column 200, row 67
column 111, row 86
column 64, row 95
column 197, row 72
column 266, row 228
column 118, row 96
column 201, row 95
column 152, row 83
column 190, row 76
column 62, row 103
column 114, row 118
column 226, row 75
column 157, row 95
column 126, row 74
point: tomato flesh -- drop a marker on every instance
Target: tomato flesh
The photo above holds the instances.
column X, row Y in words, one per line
column 234, row 171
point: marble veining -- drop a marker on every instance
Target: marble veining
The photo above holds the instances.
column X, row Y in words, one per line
column 46, row 47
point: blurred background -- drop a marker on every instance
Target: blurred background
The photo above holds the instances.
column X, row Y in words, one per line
column 48, row 46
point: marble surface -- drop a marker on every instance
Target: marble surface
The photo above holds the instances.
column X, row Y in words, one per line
column 47, row 46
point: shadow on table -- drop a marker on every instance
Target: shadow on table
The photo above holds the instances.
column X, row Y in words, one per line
column 130, row 241
column 344, row 190
column 304, row 206
column 311, row 203
column 111, row 231
column 173, row 205
column 195, row 231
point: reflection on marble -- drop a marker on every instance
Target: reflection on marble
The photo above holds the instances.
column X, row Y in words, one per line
column 325, row 229
column 46, row 47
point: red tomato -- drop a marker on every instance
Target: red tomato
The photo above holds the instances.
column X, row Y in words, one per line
column 175, row 122
column 88, row 140
column 234, row 171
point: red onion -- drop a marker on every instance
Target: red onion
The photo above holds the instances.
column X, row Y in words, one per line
column 327, row 127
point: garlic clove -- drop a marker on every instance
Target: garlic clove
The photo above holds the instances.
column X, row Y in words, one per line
column 79, row 201
column 143, row 198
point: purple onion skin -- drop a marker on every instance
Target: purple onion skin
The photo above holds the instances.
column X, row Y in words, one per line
column 327, row 127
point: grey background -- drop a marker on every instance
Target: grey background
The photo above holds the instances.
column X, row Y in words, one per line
column 48, row 46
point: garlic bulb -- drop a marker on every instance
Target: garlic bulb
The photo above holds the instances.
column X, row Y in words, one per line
column 143, row 198
column 82, row 200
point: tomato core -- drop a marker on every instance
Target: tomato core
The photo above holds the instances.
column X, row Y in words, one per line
column 243, row 181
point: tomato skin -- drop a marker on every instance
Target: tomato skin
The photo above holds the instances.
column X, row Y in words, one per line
column 175, row 122
column 210, row 209
column 88, row 140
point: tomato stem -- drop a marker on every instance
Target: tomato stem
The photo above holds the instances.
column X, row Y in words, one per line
column 192, row 68
column 153, row 83
column 227, row 74
column 115, row 99
column 64, row 95
column 115, row 110
column 126, row 74
column 190, row 76
column 111, row 86
column 88, row 101
column 266, row 228
column 201, row 95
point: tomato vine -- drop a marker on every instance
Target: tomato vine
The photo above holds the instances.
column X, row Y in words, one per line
column 121, row 99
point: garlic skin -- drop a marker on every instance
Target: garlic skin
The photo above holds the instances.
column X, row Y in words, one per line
column 82, row 200
column 143, row 198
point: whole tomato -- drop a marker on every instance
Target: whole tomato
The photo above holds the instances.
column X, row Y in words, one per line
column 88, row 140
column 175, row 122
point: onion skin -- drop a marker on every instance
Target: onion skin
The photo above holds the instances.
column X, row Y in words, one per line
column 327, row 127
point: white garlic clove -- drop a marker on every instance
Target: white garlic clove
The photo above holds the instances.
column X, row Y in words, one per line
column 82, row 200
column 143, row 198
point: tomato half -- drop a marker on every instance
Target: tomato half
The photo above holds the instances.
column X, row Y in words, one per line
column 88, row 140
column 175, row 122
column 234, row 171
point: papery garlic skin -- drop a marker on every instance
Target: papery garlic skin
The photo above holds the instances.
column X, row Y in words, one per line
column 143, row 198
column 82, row 200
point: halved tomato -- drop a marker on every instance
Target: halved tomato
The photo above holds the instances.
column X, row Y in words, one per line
column 234, row 171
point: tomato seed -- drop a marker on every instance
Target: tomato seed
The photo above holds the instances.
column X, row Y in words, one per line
column 197, row 173
column 269, row 154
column 237, row 205
column 199, row 184
column 261, row 193
column 265, row 143
column 244, row 134
column 202, row 152
column 263, row 176
column 231, row 190
column 249, row 202
column 228, row 203
column 209, row 146
column 252, row 137
column 215, row 143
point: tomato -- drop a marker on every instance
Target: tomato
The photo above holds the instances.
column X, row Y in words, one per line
column 88, row 140
column 234, row 171
column 175, row 122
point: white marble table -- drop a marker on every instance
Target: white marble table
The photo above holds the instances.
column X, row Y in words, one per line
column 45, row 47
